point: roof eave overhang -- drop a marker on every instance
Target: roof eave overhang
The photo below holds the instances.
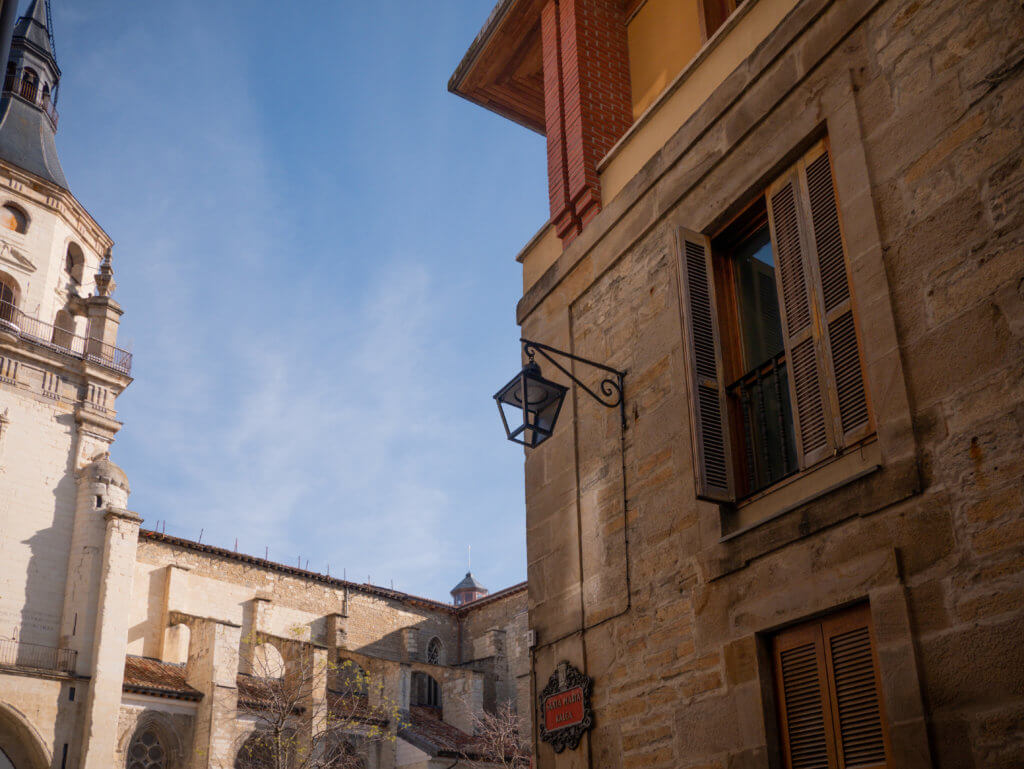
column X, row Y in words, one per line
column 500, row 72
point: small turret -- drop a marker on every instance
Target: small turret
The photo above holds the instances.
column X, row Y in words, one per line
column 468, row 590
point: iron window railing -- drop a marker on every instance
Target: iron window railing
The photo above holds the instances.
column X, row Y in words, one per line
column 761, row 408
column 63, row 340
column 28, row 90
column 14, row 653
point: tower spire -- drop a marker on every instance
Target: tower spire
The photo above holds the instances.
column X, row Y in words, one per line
column 28, row 114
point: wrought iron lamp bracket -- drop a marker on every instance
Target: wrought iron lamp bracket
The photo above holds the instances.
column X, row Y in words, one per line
column 611, row 387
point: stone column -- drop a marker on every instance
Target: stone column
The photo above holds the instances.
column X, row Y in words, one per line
column 104, row 319
column 213, row 669
column 103, row 701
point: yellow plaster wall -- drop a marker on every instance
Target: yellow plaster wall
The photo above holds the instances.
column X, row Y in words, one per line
column 733, row 43
column 664, row 36
column 539, row 254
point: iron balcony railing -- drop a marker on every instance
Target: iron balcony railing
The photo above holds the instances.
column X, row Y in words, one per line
column 63, row 340
column 760, row 401
column 28, row 90
column 14, row 653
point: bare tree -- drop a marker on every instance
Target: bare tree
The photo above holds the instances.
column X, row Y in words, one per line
column 497, row 740
column 310, row 712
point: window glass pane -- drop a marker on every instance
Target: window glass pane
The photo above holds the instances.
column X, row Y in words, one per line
column 758, row 300
column 759, row 399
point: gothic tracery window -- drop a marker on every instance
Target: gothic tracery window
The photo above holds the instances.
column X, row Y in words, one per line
column 434, row 651
column 146, row 751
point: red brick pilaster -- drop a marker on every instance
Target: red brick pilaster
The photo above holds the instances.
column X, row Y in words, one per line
column 586, row 101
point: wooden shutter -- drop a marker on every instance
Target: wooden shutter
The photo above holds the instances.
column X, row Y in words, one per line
column 798, row 320
column 861, row 739
column 827, row 689
column 805, row 715
column 841, row 348
column 819, row 326
column 712, row 463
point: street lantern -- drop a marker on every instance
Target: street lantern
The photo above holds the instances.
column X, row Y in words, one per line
column 529, row 404
column 530, row 420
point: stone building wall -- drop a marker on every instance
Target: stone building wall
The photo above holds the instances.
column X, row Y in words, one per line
column 923, row 105
column 224, row 587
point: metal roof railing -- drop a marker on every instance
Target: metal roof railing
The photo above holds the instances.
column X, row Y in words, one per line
column 17, row 654
column 63, row 340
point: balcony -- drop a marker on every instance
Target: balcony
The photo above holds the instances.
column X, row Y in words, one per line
column 16, row 654
column 25, row 327
column 28, row 90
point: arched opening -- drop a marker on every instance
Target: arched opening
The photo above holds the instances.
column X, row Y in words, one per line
column 435, row 652
column 351, row 680
column 262, row 749
column 74, row 262
column 147, row 750
column 63, row 329
column 426, row 692
column 13, row 218
column 29, row 84
column 9, row 296
column 267, row 662
column 10, row 76
column 20, row 744
column 46, row 92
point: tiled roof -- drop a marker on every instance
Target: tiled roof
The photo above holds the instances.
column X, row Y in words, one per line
column 144, row 675
column 430, row 734
column 352, row 707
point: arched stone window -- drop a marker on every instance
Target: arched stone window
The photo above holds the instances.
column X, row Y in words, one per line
column 63, row 329
column 74, row 262
column 8, row 298
column 262, row 751
column 425, row 691
column 435, row 652
column 147, row 750
column 13, row 218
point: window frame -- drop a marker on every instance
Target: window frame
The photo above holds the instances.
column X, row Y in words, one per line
column 819, row 632
column 709, row 309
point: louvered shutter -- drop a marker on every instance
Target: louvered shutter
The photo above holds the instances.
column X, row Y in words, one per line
column 861, row 740
column 805, row 719
column 799, row 330
column 707, row 403
column 831, row 714
column 840, row 346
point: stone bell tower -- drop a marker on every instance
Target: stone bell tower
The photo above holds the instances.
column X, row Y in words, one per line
column 66, row 537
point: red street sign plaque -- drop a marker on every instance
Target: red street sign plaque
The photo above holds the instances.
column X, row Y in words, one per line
column 565, row 707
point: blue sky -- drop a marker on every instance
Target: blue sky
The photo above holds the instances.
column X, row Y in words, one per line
column 315, row 250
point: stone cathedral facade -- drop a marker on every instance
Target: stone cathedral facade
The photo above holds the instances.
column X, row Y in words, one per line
column 123, row 647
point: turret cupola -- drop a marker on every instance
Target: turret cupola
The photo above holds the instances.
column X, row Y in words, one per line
column 468, row 590
column 28, row 113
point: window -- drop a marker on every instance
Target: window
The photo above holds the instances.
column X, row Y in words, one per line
column 8, row 299
column 425, row 691
column 146, row 751
column 74, row 262
column 13, row 218
column 775, row 360
column 715, row 12
column 830, row 708
column 29, row 84
column 434, row 651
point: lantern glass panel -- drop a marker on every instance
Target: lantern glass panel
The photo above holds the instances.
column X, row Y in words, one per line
column 531, row 422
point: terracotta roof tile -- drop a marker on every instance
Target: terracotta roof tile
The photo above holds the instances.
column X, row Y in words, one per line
column 144, row 675
column 429, row 733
